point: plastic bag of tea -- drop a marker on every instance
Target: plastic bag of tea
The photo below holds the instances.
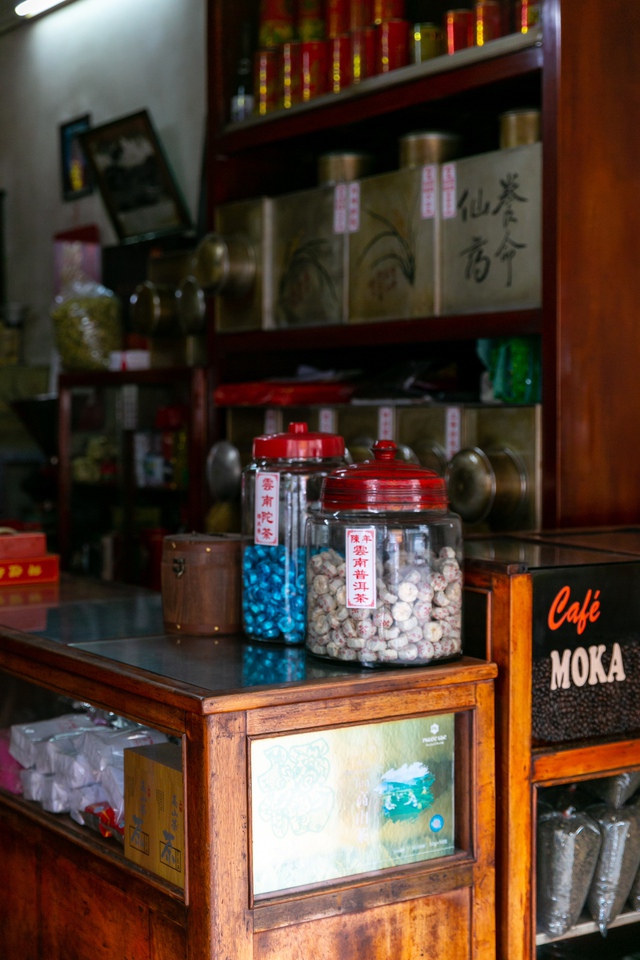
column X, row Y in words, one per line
column 616, row 790
column 618, row 862
column 568, row 843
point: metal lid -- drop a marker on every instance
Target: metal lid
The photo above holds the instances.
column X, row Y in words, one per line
column 428, row 146
column 384, row 483
column 152, row 308
column 298, row 444
column 191, row 306
column 225, row 264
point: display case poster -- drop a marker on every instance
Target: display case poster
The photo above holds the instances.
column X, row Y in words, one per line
column 334, row 803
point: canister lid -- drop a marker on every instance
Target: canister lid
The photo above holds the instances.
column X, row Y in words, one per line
column 298, row 444
column 384, row 484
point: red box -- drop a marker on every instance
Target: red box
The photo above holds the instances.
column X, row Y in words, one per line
column 17, row 546
column 44, row 569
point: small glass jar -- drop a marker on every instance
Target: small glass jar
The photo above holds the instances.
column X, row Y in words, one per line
column 384, row 565
column 279, row 486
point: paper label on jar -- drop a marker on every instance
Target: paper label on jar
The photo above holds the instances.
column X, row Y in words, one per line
column 448, row 183
column 360, row 551
column 267, row 501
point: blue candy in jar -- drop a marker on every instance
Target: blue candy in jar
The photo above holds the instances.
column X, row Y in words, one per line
column 278, row 488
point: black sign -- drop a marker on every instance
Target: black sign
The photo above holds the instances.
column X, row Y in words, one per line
column 586, row 651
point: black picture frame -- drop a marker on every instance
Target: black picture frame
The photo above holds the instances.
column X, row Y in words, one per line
column 74, row 168
column 137, row 185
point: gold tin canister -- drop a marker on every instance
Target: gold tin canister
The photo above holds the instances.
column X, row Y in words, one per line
column 343, row 167
column 428, row 146
column 519, row 128
column 427, row 42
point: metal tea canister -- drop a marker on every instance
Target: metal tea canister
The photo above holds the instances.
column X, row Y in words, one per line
column 459, row 28
column 384, row 556
column 488, row 14
column 279, row 486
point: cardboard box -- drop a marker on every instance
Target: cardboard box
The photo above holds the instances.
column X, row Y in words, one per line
column 154, row 835
column 491, row 231
column 17, row 546
column 393, row 246
column 38, row 569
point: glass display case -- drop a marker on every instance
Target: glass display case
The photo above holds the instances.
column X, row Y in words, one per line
column 309, row 801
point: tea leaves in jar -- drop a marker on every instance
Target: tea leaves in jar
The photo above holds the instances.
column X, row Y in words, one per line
column 87, row 328
column 416, row 618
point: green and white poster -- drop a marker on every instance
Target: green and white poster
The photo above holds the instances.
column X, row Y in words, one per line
column 335, row 803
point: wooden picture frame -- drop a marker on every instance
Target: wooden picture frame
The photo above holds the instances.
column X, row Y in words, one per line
column 135, row 181
column 74, row 168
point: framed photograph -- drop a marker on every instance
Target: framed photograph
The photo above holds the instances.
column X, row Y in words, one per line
column 131, row 172
column 76, row 176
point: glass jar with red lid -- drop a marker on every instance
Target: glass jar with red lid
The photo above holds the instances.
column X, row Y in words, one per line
column 279, row 486
column 384, row 556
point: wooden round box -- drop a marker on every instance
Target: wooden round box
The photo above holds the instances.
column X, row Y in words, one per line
column 201, row 583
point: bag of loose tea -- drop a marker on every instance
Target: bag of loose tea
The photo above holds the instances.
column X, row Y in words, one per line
column 87, row 325
column 616, row 790
column 618, row 861
column 568, row 843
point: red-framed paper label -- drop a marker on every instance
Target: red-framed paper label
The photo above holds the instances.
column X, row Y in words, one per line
column 360, row 550
column 267, row 501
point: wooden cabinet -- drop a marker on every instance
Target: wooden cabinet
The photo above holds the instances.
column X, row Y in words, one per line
column 510, row 585
column 132, row 447
column 580, row 71
column 226, row 701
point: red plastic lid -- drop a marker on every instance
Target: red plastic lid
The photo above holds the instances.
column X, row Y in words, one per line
column 297, row 444
column 384, row 484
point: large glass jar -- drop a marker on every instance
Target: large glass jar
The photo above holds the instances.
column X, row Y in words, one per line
column 384, row 554
column 278, row 487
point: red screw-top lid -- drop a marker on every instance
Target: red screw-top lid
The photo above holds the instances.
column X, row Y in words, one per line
column 297, row 444
column 384, row 484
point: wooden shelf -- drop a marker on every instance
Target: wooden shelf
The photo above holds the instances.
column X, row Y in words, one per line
column 586, row 925
column 468, row 70
column 422, row 330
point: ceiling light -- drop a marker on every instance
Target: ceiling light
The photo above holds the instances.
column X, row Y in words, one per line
column 31, row 8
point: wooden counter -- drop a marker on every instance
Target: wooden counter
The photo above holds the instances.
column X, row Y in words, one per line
column 74, row 894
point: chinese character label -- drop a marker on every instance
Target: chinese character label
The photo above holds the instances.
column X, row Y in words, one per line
column 448, row 183
column 452, row 428
column 340, row 208
column 327, row 420
column 271, row 421
column 353, row 218
column 266, row 508
column 428, row 191
column 361, row 566
column 386, row 423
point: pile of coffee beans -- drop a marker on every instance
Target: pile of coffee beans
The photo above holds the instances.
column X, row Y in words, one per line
column 590, row 710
